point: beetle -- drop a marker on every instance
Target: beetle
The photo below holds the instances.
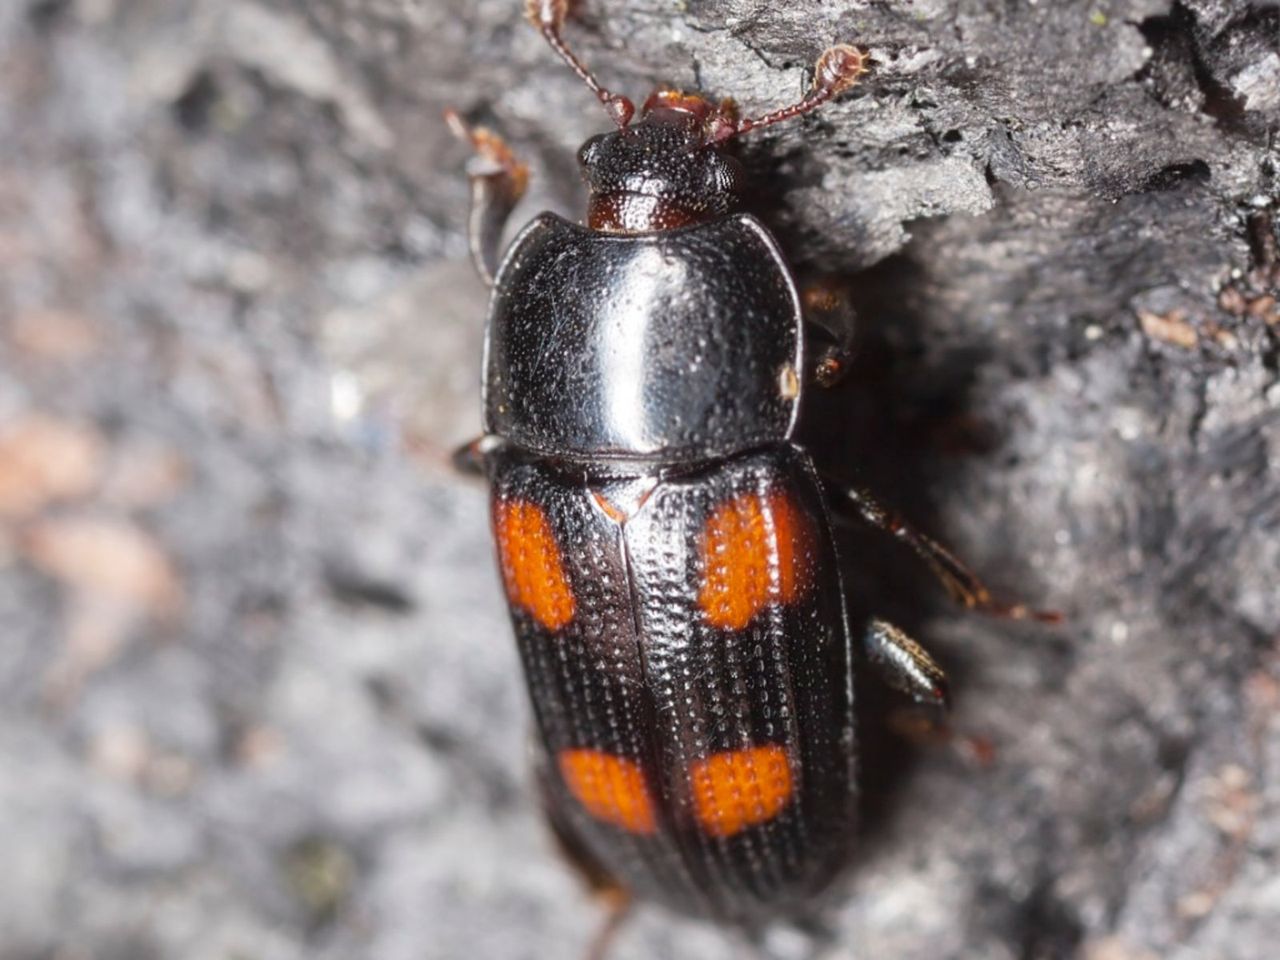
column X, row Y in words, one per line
column 665, row 545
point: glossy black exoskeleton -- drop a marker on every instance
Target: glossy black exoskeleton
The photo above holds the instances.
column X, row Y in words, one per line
column 665, row 545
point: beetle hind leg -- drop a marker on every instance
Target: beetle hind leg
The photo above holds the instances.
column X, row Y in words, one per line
column 498, row 181
column 905, row 665
column 617, row 903
column 603, row 886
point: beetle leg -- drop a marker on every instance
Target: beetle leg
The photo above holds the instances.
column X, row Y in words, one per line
column 928, row 728
column 618, row 906
column 603, row 886
column 961, row 582
column 498, row 181
column 469, row 459
column 827, row 309
column 908, row 668
column 905, row 665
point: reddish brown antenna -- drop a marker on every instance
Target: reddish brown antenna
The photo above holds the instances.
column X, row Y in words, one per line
column 549, row 16
column 838, row 69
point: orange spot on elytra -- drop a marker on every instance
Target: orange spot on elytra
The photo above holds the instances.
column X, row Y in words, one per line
column 532, row 569
column 610, row 788
column 755, row 551
column 740, row 788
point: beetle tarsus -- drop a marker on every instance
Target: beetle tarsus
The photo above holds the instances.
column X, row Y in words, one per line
column 930, row 728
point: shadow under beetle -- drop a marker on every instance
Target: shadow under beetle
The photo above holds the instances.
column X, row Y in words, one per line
column 665, row 546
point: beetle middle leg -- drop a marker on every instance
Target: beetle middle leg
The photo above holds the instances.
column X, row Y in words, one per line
column 962, row 583
column 498, row 181
column 829, row 314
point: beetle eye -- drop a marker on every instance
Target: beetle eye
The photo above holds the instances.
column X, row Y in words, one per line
column 719, row 177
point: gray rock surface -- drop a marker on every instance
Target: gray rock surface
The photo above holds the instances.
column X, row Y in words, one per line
column 258, row 697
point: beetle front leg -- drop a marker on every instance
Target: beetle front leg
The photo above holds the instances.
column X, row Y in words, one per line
column 961, row 582
column 471, row 457
column 498, row 181
column 827, row 311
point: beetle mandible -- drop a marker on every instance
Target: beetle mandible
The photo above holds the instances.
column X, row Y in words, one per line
column 665, row 546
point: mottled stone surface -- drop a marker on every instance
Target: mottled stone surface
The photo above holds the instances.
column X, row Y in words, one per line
column 258, row 698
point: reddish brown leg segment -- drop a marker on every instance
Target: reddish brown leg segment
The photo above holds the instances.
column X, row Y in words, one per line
column 604, row 887
column 928, row 728
column 498, row 181
column 617, row 906
column 961, row 582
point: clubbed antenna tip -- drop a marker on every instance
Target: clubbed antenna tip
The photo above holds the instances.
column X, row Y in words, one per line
column 838, row 69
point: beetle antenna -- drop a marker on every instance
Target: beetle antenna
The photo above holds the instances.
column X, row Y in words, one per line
column 838, row 69
column 549, row 16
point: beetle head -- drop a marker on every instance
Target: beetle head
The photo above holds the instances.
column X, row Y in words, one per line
column 667, row 169
column 664, row 171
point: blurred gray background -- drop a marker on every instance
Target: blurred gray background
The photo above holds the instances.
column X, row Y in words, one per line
column 258, row 696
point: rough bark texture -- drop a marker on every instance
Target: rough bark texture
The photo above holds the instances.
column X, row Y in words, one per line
column 258, row 693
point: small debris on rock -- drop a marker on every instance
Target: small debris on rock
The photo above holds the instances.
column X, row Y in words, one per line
column 1170, row 328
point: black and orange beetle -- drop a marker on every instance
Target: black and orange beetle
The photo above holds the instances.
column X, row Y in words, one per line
column 665, row 546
